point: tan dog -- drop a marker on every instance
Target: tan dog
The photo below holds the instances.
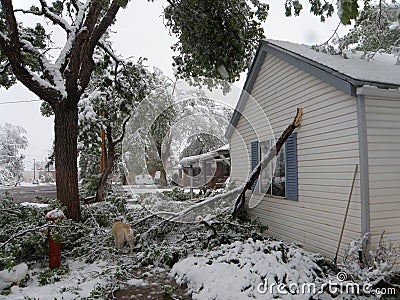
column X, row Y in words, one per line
column 122, row 232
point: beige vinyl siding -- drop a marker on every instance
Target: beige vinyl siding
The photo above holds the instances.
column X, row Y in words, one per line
column 383, row 136
column 327, row 143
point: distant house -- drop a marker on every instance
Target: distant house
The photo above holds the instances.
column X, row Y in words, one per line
column 210, row 169
column 351, row 115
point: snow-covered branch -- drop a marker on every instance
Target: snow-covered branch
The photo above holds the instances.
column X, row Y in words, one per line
column 23, row 233
column 3, row 38
column 4, row 68
column 208, row 201
column 28, row 11
column 56, row 19
column 48, row 68
column 12, row 49
column 107, row 49
column 61, row 62
column 273, row 151
column 76, row 4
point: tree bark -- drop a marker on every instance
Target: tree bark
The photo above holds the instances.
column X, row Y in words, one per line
column 66, row 135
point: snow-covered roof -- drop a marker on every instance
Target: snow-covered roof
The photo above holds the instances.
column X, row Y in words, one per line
column 346, row 74
column 381, row 68
column 187, row 161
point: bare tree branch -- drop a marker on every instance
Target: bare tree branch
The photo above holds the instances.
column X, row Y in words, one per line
column 333, row 34
column 95, row 34
column 121, row 137
column 12, row 25
column 93, row 15
column 62, row 59
column 105, row 23
column 27, row 11
column 81, row 62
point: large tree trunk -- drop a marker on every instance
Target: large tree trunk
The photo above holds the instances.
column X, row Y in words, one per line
column 66, row 135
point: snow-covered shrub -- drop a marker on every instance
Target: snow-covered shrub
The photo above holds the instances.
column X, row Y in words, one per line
column 245, row 269
column 375, row 267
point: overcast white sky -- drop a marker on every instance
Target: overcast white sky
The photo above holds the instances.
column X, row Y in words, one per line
column 140, row 32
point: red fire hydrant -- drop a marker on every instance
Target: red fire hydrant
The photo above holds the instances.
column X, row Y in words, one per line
column 54, row 246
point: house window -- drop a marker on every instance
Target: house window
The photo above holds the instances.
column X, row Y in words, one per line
column 272, row 181
column 281, row 181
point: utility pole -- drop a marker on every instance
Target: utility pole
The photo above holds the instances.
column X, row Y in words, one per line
column 34, row 169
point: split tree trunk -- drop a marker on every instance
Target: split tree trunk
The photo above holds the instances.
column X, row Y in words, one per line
column 66, row 135
column 269, row 156
column 109, row 159
column 163, row 173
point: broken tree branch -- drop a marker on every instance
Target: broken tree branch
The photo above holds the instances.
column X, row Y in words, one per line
column 265, row 161
column 24, row 232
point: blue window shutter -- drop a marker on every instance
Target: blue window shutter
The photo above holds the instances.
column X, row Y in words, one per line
column 254, row 160
column 291, row 167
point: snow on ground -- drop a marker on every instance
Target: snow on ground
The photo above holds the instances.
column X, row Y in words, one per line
column 239, row 271
column 34, row 204
column 137, row 282
column 40, row 183
column 81, row 280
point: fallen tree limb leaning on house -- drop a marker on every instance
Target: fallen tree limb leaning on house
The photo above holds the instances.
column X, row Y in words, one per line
column 204, row 210
column 267, row 158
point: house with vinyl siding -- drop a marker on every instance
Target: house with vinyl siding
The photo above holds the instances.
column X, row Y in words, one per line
column 351, row 117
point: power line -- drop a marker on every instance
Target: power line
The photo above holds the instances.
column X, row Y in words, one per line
column 20, row 101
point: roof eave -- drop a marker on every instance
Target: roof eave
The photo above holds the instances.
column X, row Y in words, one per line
column 339, row 80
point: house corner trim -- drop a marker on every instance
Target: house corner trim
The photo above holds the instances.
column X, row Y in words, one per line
column 363, row 161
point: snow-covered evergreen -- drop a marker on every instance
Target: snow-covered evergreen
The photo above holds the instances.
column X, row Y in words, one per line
column 12, row 141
